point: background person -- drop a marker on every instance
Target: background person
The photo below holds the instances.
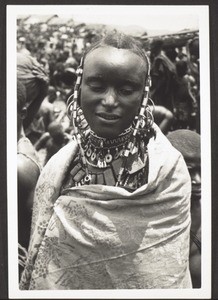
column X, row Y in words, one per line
column 163, row 76
column 53, row 140
column 189, row 144
column 186, row 105
column 28, row 171
column 163, row 117
column 35, row 80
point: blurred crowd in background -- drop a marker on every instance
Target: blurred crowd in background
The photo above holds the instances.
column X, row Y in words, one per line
column 58, row 48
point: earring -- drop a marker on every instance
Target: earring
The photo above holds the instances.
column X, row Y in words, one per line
column 149, row 118
column 81, row 121
column 70, row 106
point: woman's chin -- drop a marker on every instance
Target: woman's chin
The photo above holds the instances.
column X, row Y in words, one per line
column 106, row 134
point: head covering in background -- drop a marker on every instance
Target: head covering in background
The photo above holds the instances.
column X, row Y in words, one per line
column 35, row 80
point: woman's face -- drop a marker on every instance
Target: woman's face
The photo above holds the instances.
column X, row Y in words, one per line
column 112, row 89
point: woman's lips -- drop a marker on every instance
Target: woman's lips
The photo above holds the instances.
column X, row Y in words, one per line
column 108, row 116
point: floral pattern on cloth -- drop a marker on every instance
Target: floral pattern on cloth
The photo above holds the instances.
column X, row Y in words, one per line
column 104, row 237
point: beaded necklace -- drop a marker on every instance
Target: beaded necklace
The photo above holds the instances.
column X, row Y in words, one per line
column 101, row 151
column 136, row 170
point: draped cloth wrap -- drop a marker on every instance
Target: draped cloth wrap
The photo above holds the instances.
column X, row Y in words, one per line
column 104, row 237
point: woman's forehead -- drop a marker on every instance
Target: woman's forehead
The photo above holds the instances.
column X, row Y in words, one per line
column 114, row 61
column 109, row 53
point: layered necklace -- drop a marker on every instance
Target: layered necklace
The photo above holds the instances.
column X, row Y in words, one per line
column 100, row 152
column 104, row 159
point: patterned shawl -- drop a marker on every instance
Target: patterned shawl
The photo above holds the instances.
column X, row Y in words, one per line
column 104, row 237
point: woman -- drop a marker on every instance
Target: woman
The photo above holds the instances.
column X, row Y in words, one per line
column 112, row 207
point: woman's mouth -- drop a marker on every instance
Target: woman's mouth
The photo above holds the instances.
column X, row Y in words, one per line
column 108, row 116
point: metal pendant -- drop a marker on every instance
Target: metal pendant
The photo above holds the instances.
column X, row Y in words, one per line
column 117, row 153
column 93, row 156
column 122, row 151
column 102, row 164
column 108, row 158
column 85, row 147
column 87, row 179
column 89, row 152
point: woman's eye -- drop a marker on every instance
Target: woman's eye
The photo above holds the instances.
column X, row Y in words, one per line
column 126, row 90
column 96, row 87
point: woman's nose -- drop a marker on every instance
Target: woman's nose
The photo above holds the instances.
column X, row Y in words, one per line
column 110, row 99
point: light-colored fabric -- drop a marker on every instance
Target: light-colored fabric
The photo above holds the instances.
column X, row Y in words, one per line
column 26, row 148
column 103, row 237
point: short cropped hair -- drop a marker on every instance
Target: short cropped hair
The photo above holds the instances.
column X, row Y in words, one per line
column 187, row 142
column 120, row 40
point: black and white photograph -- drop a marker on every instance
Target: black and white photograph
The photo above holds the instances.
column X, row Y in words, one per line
column 109, row 191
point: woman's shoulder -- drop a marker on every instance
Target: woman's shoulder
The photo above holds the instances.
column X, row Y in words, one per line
column 26, row 154
column 160, row 142
column 163, row 157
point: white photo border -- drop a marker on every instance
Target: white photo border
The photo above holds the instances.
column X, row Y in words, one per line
column 202, row 12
